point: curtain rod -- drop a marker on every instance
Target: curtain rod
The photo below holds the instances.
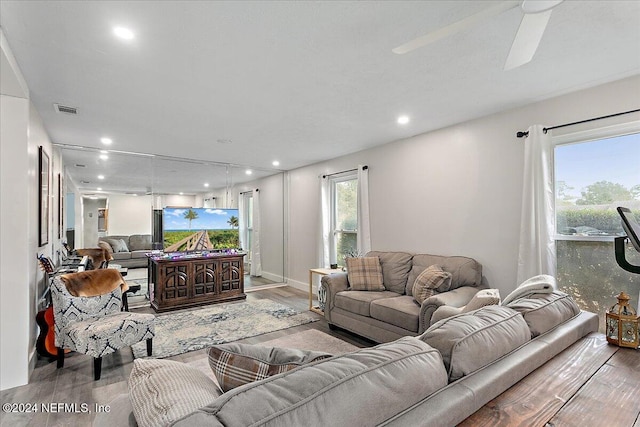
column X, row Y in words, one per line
column 364, row 168
column 521, row 134
column 250, row 191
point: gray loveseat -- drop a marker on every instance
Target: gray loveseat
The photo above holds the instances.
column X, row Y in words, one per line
column 438, row 378
column 132, row 253
column 384, row 316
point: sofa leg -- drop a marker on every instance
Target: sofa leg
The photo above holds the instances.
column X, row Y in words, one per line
column 149, row 346
column 60, row 358
column 97, row 367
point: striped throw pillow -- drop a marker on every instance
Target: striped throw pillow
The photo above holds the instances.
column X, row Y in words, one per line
column 235, row 364
column 428, row 281
column 365, row 274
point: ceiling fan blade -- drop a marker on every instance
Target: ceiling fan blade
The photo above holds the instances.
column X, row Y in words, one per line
column 455, row 27
column 527, row 39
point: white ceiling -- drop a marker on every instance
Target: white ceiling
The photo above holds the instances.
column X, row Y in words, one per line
column 299, row 82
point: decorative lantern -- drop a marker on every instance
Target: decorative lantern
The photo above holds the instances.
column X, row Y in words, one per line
column 622, row 323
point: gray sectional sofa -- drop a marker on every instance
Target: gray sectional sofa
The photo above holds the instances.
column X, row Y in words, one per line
column 438, row 378
column 128, row 251
column 384, row 316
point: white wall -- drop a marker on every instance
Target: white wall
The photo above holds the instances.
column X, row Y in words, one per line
column 21, row 280
column 15, row 246
column 90, row 221
column 455, row 191
column 129, row 214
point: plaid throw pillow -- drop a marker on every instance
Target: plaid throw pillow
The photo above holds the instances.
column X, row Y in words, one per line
column 428, row 281
column 235, row 364
column 365, row 274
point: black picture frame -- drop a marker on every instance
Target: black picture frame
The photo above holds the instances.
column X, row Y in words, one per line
column 43, row 198
column 60, row 206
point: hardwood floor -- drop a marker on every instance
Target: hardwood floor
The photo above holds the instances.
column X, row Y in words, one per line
column 589, row 384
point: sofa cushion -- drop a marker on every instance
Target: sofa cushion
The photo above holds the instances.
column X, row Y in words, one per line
column 235, row 364
column 545, row 311
column 400, row 311
column 140, row 242
column 497, row 330
column 432, row 279
column 366, row 387
column 358, row 302
column 395, row 269
column 365, row 274
column 162, row 391
column 464, row 271
column 117, row 256
column 139, row 254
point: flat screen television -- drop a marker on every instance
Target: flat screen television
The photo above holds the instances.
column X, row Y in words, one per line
column 199, row 229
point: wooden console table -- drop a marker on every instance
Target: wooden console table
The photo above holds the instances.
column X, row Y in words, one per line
column 189, row 280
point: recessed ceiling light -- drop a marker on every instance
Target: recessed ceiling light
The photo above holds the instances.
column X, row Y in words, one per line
column 181, row 193
column 134, row 195
column 104, row 156
column 100, row 176
column 248, row 171
column 104, row 152
column 275, row 163
column 99, row 188
column 206, row 184
column 106, row 141
column 403, row 120
column 123, row 33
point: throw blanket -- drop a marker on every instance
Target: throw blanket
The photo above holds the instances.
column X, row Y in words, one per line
column 97, row 255
column 542, row 284
column 94, row 282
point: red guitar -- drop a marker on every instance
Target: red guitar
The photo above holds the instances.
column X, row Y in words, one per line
column 46, row 342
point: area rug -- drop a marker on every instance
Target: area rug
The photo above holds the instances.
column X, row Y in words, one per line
column 185, row 331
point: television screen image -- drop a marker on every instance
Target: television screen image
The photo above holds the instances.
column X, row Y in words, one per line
column 196, row 229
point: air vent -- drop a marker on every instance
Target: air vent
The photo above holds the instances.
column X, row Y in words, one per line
column 64, row 109
column 78, row 165
column 85, row 182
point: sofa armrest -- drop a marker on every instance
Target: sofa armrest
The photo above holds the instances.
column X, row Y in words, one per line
column 458, row 297
column 333, row 283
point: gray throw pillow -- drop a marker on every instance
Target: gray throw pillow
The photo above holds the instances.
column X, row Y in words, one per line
column 118, row 245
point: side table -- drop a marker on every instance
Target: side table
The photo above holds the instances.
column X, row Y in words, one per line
column 320, row 272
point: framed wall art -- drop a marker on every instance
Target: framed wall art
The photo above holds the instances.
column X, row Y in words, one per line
column 60, row 206
column 43, row 197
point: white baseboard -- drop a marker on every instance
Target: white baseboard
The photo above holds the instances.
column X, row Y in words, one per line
column 273, row 277
column 303, row 286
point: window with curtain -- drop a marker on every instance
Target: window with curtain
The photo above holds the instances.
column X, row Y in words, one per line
column 246, row 212
column 344, row 217
column 595, row 172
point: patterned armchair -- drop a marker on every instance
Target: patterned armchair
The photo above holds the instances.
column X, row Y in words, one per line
column 95, row 325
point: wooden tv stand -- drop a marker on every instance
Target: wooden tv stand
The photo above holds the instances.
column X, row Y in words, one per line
column 186, row 280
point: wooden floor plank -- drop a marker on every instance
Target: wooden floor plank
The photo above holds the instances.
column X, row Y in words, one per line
column 613, row 393
column 537, row 397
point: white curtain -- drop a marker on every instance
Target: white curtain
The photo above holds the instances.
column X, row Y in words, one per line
column 325, row 218
column 537, row 253
column 256, row 256
column 364, row 227
column 242, row 222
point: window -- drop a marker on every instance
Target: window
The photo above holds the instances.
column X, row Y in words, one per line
column 593, row 175
column 344, row 217
column 247, row 225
